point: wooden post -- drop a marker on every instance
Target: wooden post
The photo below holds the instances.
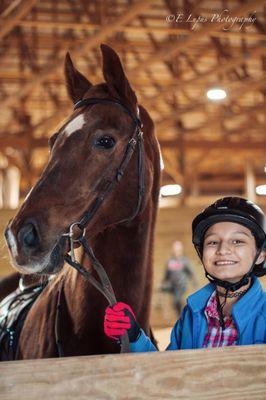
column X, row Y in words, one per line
column 250, row 182
column 220, row 374
column 195, row 185
column 11, row 187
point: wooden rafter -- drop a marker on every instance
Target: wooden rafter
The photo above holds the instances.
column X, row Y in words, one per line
column 93, row 41
column 207, row 76
column 169, row 51
column 212, row 144
column 234, row 91
column 8, row 20
column 159, row 30
column 169, row 65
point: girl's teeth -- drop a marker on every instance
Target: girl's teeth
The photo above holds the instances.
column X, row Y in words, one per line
column 225, row 262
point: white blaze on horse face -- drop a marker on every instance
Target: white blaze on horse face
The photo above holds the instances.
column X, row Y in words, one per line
column 75, row 125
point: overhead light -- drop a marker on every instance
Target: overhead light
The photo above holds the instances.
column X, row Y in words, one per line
column 261, row 190
column 170, row 190
column 216, row 94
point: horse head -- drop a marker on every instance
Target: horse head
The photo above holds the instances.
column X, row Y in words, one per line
column 85, row 155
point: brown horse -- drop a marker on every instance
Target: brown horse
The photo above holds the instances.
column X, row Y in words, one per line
column 86, row 153
column 8, row 284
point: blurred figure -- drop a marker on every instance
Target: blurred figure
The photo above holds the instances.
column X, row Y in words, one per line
column 179, row 271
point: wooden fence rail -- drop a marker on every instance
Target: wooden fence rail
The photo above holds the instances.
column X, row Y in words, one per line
column 220, row 374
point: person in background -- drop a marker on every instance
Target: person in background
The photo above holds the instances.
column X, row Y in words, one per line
column 230, row 239
column 179, row 271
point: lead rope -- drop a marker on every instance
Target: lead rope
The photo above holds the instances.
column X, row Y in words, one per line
column 104, row 286
column 58, row 331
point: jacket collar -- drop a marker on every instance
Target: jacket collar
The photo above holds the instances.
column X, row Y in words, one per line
column 242, row 309
column 197, row 301
column 249, row 304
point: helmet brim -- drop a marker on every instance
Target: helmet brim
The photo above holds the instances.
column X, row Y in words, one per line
column 206, row 223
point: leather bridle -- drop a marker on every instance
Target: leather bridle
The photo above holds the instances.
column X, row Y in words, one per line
column 104, row 285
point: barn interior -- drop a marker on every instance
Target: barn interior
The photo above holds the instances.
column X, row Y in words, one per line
column 174, row 53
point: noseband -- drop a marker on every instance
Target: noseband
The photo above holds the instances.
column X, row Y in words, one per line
column 104, row 285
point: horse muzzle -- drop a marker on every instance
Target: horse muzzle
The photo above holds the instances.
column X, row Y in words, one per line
column 27, row 253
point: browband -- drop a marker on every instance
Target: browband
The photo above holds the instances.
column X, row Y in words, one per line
column 92, row 100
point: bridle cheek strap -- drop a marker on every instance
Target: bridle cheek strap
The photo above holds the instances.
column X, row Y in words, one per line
column 136, row 139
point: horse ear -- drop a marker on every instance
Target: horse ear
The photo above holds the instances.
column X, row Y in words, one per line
column 114, row 75
column 77, row 84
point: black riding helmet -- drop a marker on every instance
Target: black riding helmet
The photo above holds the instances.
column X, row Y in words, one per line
column 232, row 209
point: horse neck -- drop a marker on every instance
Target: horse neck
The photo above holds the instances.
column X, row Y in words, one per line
column 125, row 251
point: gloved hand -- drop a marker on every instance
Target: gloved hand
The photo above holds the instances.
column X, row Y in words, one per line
column 120, row 319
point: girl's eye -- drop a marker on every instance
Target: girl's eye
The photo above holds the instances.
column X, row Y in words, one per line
column 237, row 241
column 211, row 243
column 105, row 142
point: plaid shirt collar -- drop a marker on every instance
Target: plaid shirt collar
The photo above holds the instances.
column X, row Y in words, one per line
column 212, row 314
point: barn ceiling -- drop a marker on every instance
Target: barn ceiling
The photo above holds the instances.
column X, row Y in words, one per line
column 173, row 51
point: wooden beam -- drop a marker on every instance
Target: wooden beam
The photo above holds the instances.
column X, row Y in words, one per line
column 233, row 90
column 46, row 41
column 161, row 375
column 170, row 51
column 170, row 119
column 8, row 22
column 22, row 143
column 172, row 167
column 158, row 30
column 250, row 183
column 107, row 31
column 202, row 80
column 91, row 42
column 205, row 77
column 211, row 144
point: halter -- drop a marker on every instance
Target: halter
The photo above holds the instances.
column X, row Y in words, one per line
column 104, row 286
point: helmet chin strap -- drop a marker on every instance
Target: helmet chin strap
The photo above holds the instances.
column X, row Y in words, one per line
column 229, row 286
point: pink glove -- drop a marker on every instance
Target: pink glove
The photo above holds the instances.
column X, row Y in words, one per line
column 120, row 319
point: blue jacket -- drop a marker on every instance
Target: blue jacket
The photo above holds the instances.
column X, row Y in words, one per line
column 249, row 315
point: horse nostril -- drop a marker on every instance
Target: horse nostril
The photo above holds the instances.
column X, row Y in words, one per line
column 28, row 235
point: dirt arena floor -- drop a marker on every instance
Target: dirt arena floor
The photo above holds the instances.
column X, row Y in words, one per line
column 163, row 337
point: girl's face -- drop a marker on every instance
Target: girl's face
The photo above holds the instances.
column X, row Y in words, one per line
column 229, row 250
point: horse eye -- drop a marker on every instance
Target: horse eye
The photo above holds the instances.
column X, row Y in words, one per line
column 105, row 142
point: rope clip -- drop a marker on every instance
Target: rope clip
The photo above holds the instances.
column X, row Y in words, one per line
column 70, row 234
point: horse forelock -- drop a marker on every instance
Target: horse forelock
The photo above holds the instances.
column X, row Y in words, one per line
column 103, row 90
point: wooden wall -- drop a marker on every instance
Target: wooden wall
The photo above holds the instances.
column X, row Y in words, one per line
column 218, row 374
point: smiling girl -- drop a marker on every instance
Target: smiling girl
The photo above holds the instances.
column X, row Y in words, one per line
column 230, row 239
